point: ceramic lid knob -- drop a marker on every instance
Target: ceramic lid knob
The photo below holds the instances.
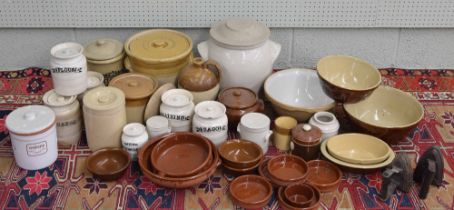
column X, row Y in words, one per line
column 238, row 98
column 306, row 134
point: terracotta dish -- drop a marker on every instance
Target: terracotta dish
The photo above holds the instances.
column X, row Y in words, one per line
column 242, row 171
column 109, row 163
column 287, row 168
column 299, row 195
column 324, row 175
column 237, row 153
column 346, row 78
column 250, row 191
column 388, row 113
column 287, row 206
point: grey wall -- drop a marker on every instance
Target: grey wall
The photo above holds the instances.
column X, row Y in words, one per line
column 403, row 48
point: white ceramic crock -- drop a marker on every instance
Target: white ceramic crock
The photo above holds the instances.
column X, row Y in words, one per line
column 243, row 50
column 33, row 136
column 157, row 125
column 178, row 107
column 211, row 121
column 327, row 123
column 133, row 138
column 255, row 127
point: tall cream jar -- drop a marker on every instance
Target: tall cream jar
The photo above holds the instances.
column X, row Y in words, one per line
column 178, row 107
column 211, row 121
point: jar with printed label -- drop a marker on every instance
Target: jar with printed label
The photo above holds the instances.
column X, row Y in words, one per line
column 211, row 121
column 133, row 137
column 178, row 107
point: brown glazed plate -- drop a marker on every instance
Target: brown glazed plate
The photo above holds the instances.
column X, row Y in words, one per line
column 109, row 163
column 250, row 191
column 286, row 206
column 324, row 175
column 287, row 168
column 240, row 154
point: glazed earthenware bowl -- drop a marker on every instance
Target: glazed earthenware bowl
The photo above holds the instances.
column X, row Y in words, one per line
column 109, row 163
column 287, row 168
column 287, row 206
column 297, row 93
column 237, row 153
column 250, row 191
column 346, row 78
column 324, row 175
column 242, row 171
column 358, row 148
column 299, row 195
column 181, row 154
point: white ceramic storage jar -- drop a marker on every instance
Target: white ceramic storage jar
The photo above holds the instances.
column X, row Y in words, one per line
column 211, row 121
column 133, row 137
column 157, row 125
column 94, row 80
column 68, row 69
column 327, row 123
column 68, row 116
column 178, row 107
column 255, row 127
column 33, row 136
column 104, row 117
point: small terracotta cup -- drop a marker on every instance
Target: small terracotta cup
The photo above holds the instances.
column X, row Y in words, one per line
column 250, row 191
column 109, row 163
column 299, row 195
column 287, row 168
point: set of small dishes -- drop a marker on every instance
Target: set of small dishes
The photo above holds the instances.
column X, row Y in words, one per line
column 239, row 101
column 108, row 164
column 255, row 127
column 250, row 191
column 299, row 196
column 306, row 141
column 357, row 151
column 297, row 93
column 284, row 170
column 240, row 157
column 283, row 126
column 178, row 160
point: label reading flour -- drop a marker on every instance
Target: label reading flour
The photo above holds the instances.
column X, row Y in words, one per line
column 37, row 149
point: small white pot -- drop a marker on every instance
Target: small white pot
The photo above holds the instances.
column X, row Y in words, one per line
column 157, row 125
column 255, row 127
column 133, row 138
column 211, row 121
column 178, row 107
column 327, row 123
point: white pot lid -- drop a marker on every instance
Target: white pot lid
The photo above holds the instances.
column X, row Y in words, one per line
column 94, row 79
column 104, row 98
column 52, row 98
column 30, row 119
column 66, row 50
column 158, row 122
column 177, row 97
column 254, row 120
column 133, row 129
column 240, row 33
column 210, row 109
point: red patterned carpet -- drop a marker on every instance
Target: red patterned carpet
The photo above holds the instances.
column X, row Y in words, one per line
column 68, row 185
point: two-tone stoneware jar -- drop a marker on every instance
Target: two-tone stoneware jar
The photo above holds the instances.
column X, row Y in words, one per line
column 137, row 89
column 239, row 101
column 105, row 56
column 306, row 141
column 211, row 121
column 177, row 106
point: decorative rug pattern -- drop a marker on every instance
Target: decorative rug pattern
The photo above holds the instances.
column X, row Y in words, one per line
column 68, row 185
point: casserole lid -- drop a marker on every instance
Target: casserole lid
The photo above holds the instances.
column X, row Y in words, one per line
column 237, row 97
column 177, row 97
column 103, row 49
column 239, row 33
column 28, row 120
column 52, row 98
column 104, row 98
column 66, row 50
column 306, row 133
column 134, row 85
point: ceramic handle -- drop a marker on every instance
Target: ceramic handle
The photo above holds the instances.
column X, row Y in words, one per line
column 202, row 47
column 214, row 67
column 238, row 128
column 267, row 137
column 275, row 50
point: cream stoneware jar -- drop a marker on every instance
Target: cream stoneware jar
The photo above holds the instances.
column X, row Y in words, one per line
column 211, row 121
column 33, row 136
column 68, row 69
column 105, row 56
column 243, row 50
column 133, row 137
column 178, row 107
column 157, row 125
column 104, row 117
column 327, row 123
column 255, row 127
column 68, row 117
column 94, row 80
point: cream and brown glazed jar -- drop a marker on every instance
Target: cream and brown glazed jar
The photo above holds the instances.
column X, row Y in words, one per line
column 68, row 116
column 105, row 56
column 137, row 89
column 104, row 117
column 239, row 101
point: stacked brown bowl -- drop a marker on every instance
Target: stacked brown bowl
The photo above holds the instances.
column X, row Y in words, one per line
column 178, row 160
column 284, row 170
column 299, row 196
column 240, row 157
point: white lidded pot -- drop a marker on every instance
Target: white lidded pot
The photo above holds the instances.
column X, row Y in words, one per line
column 33, row 136
column 158, row 125
column 243, row 50
column 211, row 121
column 133, row 138
column 327, row 123
column 255, row 127
column 178, row 107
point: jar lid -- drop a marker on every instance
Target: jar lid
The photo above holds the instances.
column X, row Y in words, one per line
column 242, row 33
column 306, row 133
column 177, row 97
column 134, row 85
column 157, row 122
column 133, row 129
column 94, row 79
column 30, row 119
column 199, row 75
column 103, row 49
column 255, row 120
column 104, row 98
column 237, row 97
column 52, row 98
column 210, row 109
column 66, row 50
column 159, row 45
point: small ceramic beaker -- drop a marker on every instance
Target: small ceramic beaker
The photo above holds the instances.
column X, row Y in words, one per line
column 282, row 132
column 255, row 127
column 157, row 125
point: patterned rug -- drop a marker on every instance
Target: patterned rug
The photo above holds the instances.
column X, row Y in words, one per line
column 68, row 185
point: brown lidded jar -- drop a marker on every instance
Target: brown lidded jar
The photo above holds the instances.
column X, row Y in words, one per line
column 137, row 89
column 306, row 141
column 239, row 101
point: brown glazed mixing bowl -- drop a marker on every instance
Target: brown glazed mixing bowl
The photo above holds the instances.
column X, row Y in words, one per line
column 239, row 154
column 346, row 78
column 388, row 113
column 109, row 163
column 324, row 175
column 250, row 191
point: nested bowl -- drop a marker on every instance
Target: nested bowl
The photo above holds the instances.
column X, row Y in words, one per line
column 287, row 206
column 109, row 163
column 250, row 191
column 287, row 168
column 299, row 195
column 240, row 154
column 324, row 175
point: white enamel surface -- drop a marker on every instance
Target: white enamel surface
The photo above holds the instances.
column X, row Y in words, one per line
column 134, row 137
column 30, row 119
column 94, row 79
column 210, row 109
column 255, row 122
column 327, row 123
column 157, row 125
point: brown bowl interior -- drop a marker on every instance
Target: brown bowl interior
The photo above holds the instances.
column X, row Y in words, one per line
column 251, row 189
column 108, row 161
column 324, row 175
column 287, row 168
column 238, row 153
column 285, row 205
column 300, row 195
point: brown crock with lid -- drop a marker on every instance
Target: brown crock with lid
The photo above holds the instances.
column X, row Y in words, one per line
column 306, row 141
column 239, row 101
column 200, row 75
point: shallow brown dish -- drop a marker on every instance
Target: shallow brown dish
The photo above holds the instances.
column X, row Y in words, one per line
column 109, row 163
column 324, row 175
column 286, row 206
column 241, row 171
column 181, row 154
column 240, row 154
column 299, row 195
column 287, row 168
column 250, row 191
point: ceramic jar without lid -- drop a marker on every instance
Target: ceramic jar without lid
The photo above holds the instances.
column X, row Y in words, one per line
column 239, row 101
column 306, row 141
column 133, row 138
column 177, row 106
column 68, row 116
column 104, row 117
column 282, row 132
column 105, row 56
column 157, row 125
column 68, row 68
column 211, row 121
column 137, row 89
column 33, row 136
column 327, row 123
column 255, row 127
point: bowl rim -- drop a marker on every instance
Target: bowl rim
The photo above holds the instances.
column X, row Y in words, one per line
column 280, row 197
column 405, row 94
column 303, row 177
column 332, row 166
column 354, row 58
column 263, row 180
column 103, row 150
column 240, row 141
column 289, row 106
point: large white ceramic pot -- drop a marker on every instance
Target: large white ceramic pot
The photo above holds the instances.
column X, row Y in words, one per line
column 242, row 48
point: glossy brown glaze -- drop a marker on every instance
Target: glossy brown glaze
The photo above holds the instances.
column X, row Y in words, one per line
column 200, row 75
column 299, row 195
column 324, row 175
column 108, row 164
column 343, row 95
column 239, row 101
column 307, row 152
column 306, row 134
column 286, row 206
column 250, row 191
column 287, row 168
column 242, row 171
column 237, row 153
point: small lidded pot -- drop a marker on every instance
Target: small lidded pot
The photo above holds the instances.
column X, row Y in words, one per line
column 255, row 127
column 211, row 121
column 137, row 89
column 105, row 56
column 239, row 101
column 201, row 79
column 94, row 80
column 68, row 116
column 157, row 125
column 327, row 123
column 178, row 107
column 133, row 138
column 306, row 141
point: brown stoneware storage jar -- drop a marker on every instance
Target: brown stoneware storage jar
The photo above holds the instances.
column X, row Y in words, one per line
column 306, row 141
column 239, row 101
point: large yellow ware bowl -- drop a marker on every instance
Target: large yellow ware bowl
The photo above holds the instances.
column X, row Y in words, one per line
column 358, row 148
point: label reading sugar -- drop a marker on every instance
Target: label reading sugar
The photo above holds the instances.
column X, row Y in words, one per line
column 37, row 149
